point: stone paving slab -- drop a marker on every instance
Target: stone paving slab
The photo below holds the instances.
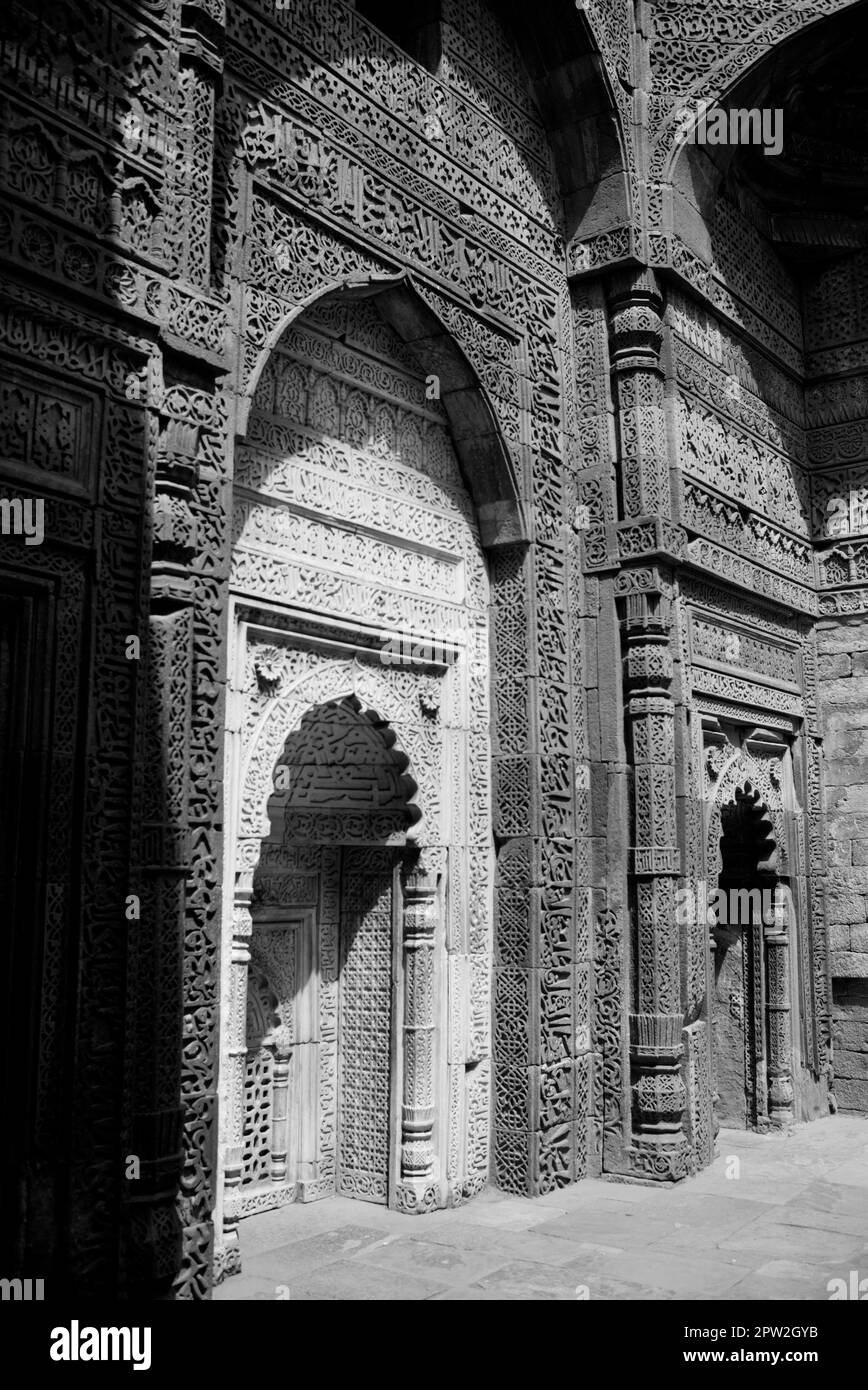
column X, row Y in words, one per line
column 304, row 1256
column 351, row 1281
column 435, row 1260
column 627, row 1228
column 795, row 1217
column 682, row 1275
column 526, row 1245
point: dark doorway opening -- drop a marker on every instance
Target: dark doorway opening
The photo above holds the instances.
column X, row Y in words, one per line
column 746, row 898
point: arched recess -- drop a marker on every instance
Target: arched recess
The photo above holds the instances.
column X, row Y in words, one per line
column 738, row 76
column 772, row 74
column 355, row 682
column 359, row 579
column 310, row 1075
column 776, row 252
column 488, row 469
column 750, row 909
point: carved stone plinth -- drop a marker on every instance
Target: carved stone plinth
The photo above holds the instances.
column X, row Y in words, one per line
column 656, row 1049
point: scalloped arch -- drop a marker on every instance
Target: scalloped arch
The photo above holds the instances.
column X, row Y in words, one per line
column 743, row 772
column 329, row 681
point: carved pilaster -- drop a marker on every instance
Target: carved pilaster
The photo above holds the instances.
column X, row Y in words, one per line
column 165, row 860
column 416, row 1191
column 635, row 341
column 174, row 527
column 239, row 962
column 656, row 1049
column 780, row 1064
column 635, row 305
column 656, row 1045
column 279, row 1110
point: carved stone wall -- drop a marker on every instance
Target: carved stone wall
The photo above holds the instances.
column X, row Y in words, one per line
column 311, row 349
column 837, row 418
column 74, row 386
column 843, row 653
column 359, row 173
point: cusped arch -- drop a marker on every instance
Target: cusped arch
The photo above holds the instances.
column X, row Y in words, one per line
column 375, row 697
column 744, row 775
column 485, row 462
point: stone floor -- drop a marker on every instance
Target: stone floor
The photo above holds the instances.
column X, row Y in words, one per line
column 792, row 1215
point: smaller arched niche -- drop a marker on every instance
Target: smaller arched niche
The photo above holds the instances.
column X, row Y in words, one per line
column 341, row 779
column 753, row 931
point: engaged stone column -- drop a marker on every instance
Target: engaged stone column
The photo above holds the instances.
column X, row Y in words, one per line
column 655, row 1030
column 657, row 1145
column 233, row 1088
column 656, row 1047
column 279, row 1111
column 416, row 1191
column 778, row 1009
column 635, row 340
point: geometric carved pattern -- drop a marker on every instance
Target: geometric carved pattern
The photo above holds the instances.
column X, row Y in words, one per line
column 365, row 1025
column 258, row 1081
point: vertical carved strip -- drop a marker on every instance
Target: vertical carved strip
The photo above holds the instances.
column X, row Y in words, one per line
column 417, row 1110
column 236, row 1053
column 190, row 235
column 514, row 902
column 279, row 1112
column 636, row 326
column 780, row 1048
